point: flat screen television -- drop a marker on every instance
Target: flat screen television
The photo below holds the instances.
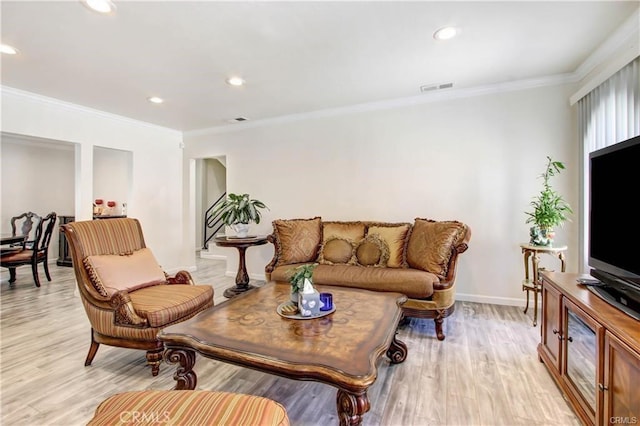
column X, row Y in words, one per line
column 614, row 224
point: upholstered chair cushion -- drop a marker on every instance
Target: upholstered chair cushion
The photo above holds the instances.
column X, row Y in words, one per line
column 372, row 251
column 336, row 251
column 188, row 407
column 162, row 305
column 17, row 255
column 431, row 242
column 298, row 239
column 129, row 271
column 352, row 231
column 395, row 235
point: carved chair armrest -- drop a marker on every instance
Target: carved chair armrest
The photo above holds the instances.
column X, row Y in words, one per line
column 274, row 261
column 123, row 311
column 453, row 260
column 461, row 248
column 92, row 295
column 181, row 277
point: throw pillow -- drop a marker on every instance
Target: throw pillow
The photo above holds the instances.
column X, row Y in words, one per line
column 353, row 231
column 110, row 273
column 298, row 239
column 431, row 243
column 372, row 251
column 336, row 251
column 395, row 235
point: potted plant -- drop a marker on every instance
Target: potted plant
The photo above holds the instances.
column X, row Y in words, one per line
column 549, row 208
column 238, row 211
column 297, row 278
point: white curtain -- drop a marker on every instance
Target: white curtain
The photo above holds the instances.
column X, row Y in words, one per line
column 609, row 114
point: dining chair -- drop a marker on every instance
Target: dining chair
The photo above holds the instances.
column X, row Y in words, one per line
column 21, row 225
column 33, row 251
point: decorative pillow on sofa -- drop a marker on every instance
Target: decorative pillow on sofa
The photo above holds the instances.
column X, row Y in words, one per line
column 431, row 242
column 395, row 235
column 352, row 231
column 298, row 239
column 372, row 251
column 336, row 251
column 110, row 273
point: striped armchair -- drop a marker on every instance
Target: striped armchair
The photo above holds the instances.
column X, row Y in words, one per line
column 126, row 295
column 188, row 407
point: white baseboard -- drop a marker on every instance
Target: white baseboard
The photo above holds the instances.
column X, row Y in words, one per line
column 173, row 271
column 205, row 255
column 505, row 301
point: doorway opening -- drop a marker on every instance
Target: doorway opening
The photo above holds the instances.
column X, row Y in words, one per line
column 211, row 186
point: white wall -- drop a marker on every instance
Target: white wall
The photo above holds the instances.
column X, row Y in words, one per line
column 37, row 176
column 475, row 160
column 156, row 181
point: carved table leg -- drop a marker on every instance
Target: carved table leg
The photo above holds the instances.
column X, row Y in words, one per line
column 397, row 351
column 536, row 261
column 242, row 277
column 351, row 407
column 185, row 376
column 527, row 255
column 563, row 264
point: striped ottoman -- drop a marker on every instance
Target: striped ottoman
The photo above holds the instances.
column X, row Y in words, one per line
column 187, row 407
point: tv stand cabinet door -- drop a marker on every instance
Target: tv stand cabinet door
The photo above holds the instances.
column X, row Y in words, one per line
column 582, row 339
column 621, row 378
column 551, row 327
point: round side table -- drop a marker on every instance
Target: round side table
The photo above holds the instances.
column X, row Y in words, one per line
column 534, row 284
column 242, row 277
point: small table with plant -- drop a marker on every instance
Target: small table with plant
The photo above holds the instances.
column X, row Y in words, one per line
column 238, row 211
column 549, row 211
column 532, row 282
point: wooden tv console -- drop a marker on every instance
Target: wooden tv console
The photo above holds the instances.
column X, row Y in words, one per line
column 592, row 351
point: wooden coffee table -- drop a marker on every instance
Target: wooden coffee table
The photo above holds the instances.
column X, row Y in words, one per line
column 341, row 349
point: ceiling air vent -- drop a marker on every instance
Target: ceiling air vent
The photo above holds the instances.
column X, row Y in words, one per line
column 432, row 87
column 238, row 120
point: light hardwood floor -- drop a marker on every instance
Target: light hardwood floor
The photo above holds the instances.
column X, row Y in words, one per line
column 486, row 372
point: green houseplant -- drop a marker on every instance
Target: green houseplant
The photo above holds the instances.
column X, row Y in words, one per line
column 549, row 208
column 238, row 211
column 297, row 277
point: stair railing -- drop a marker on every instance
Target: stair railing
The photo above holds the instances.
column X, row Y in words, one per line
column 212, row 224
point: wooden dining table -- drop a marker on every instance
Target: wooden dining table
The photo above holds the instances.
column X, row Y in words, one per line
column 11, row 239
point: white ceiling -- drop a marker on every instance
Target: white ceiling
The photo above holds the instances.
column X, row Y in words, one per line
column 296, row 57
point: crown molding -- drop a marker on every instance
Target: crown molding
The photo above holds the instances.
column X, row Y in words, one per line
column 615, row 53
column 624, row 34
column 44, row 100
column 431, row 97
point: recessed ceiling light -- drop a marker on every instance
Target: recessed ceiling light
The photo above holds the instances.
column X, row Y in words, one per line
column 445, row 33
column 235, row 81
column 9, row 50
column 155, row 100
column 100, row 6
